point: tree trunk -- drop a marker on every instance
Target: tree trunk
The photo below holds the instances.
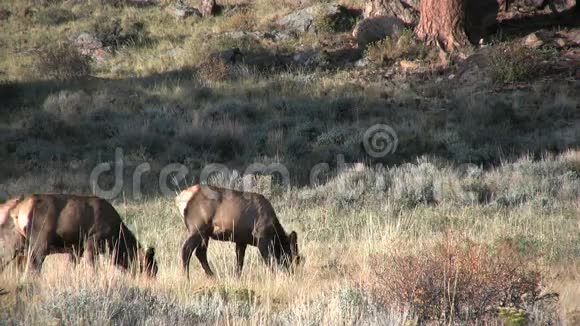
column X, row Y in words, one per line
column 443, row 21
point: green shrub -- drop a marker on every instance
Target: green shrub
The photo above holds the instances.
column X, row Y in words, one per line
column 402, row 45
column 228, row 110
column 517, row 63
column 115, row 33
column 54, row 16
column 414, row 184
column 340, row 22
column 513, row 317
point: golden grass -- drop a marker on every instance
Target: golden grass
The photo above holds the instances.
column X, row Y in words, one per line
column 333, row 264
column 337, row 237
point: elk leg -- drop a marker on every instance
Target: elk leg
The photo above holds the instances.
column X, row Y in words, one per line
column 240, row 254
column 89, row 254
column 116, row 248
column 74, row 258
column 266, row 250
column 21, row 261
column 36, row 253
column 201, row 254
column 35, row 259
column 189, row 246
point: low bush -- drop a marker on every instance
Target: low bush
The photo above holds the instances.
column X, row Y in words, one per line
column 402, row 45
column 214, row 69
column 62, row 61
column 54, row 16
column 517, row 63
column 341, row 22
column 457, row 279
column 115, row 32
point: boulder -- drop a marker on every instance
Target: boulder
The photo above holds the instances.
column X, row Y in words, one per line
column 374, row 29
column 317, row 18
column 311, row 58
column 89, row 45
column 180, row 10
column 532, row 41
column 406, row 10
column 560, row 42
column 538, row 39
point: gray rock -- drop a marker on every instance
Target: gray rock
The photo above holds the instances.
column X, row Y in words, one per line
column 304, row 20
column 180, row 10
column 374, row 29
column 363, row 62
column 560, row 42
column 277, row 36
column 87, row 42
column 89, row 45
column 405, row 10
column 538, row 39
column 272, row 36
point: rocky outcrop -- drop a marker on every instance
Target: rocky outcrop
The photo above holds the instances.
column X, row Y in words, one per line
column 181, row 11
column 376, row 28
column 406, row 10
column 89, row 45
column 317, row 18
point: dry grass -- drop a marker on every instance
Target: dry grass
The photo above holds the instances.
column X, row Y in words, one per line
column 150, row 103
column 400, row 46
column 214, row 69
column 62, row 61
column 346, row 239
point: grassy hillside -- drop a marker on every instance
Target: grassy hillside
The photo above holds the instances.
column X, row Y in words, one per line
column 472, row 215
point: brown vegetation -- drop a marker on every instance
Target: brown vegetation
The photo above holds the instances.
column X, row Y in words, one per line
column 457, row 279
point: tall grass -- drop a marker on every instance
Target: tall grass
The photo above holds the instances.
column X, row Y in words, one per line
column 341, row 236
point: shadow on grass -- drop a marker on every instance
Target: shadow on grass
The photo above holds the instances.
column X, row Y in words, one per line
column 173, row 117
column 513, row 28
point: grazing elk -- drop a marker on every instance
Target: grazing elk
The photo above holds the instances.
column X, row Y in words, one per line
column 241, row 217
column 39, row 225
